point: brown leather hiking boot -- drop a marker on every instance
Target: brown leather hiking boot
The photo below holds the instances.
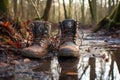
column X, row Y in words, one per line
column 68, row 31
column 41, row 33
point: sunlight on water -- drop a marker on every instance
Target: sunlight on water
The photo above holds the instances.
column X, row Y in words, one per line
column 55, row 68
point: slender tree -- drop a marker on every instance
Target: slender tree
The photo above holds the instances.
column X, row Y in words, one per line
column 59, row 12
column 15, row 7
column 82, row 11
column 47, row 10
column 75, row 12
column 70, row 9
column 65, row 11
column 92, row 5
column 110, row 6
column 53, row 11
column 22, row 2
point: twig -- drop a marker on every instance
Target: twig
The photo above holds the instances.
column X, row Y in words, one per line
column 111, row 68
column 33, row 4
column 83, row 72
column 81, row 39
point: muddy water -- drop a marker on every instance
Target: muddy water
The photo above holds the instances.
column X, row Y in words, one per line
column 99, row 60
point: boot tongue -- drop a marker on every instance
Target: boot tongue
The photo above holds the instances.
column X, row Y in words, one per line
column 40, row 32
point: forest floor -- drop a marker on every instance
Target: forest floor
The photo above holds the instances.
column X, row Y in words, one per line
column 10, row 56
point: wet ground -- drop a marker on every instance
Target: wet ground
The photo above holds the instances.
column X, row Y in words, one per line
column 99, row 60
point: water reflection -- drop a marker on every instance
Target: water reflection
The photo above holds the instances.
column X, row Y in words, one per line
column 114, row 71
column 100, row 67
column 95, row 63
column 116, row 57
column 55, row 68
column 100, row 64
column 68, row 68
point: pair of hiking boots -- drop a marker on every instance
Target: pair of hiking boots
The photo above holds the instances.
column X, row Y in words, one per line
column 41, row 39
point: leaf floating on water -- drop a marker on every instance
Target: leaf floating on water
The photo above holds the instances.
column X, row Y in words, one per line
column 26, row 60
column 15, row 62
column 72, row 73
column 106, row 59
column 2, row 64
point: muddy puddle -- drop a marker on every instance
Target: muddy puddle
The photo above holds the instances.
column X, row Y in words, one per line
column 99, row 60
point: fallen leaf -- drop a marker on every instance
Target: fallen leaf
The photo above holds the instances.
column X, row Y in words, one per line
column 26, row 60
column 71, row 73
column 2, row 64
column 106, row 59
column 11, row 43
column 15, row 62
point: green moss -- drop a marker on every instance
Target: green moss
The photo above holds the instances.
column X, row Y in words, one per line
column 111, row 21
column 4, row 5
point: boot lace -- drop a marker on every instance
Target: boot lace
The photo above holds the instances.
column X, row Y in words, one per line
column 40, row 40
column 67, row 35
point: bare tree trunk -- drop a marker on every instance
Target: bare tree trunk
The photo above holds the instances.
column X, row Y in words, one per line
column 22, row 10
column 47, row 10
column 101, row 3
column 105, row 4
column 110, row 6
column 70, row 9
column 117, row 1
column 4, row 12
column 113, row 1
column 59, row 13
column 28, row 10
column 92, row 4
column 15, row 8
column 94, row 10
column 91, row 11
column 65, row 11
column 75, row 13
column 82, row 11
column 54, row 13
